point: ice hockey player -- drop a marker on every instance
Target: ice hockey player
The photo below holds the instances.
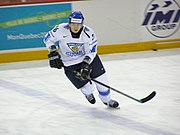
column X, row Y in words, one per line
column 77, row 50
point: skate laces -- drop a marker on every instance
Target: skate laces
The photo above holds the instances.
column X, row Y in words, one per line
column 90, row 97
column 112, row 103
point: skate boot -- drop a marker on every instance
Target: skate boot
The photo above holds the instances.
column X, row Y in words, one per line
column 91, row 98
column 112, row 104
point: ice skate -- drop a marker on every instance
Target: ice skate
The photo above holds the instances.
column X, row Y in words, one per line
column 91, row 98
column 112, row 104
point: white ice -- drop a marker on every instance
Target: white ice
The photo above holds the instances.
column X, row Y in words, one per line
column 38, row 100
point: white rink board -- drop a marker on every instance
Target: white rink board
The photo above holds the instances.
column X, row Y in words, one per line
column 38, row 100
column 120, row 21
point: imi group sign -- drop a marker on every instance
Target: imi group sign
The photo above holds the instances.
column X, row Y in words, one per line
column 162, row 18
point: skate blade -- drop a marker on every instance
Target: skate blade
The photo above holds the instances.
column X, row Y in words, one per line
column 108, row 107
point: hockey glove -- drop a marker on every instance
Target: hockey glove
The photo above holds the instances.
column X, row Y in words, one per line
column 85, row 68
column 54, row 58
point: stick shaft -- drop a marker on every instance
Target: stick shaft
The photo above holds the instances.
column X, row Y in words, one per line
column 115, row 90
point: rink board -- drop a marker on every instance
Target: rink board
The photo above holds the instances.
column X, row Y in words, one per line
column 106, row 49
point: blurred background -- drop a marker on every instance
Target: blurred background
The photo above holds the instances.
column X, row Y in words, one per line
column 15, row 1
column 120, row 26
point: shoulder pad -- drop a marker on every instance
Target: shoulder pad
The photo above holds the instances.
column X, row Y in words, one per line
column 86, row 29
column 55, row 28
column 66, row 26
column 86, row 32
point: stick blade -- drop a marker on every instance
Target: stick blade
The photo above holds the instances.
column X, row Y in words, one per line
column 148, row 97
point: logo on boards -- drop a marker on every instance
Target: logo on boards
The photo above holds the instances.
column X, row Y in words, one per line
column 162, row 18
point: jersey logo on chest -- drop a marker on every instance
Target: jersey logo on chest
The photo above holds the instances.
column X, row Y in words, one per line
column 76, row 49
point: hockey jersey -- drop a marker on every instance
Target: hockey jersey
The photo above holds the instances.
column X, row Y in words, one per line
column 72, row 50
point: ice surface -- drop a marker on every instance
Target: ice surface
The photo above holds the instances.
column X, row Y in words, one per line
column 38, row 100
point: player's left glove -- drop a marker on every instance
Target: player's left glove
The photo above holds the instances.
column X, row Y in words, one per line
column 85, row 69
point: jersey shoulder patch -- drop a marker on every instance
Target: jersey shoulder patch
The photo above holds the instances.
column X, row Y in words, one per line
column 55, row 28
column 66, row 26
column 86, row 29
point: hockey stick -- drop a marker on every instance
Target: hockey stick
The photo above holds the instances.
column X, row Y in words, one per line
column 143, row 100
column 149, row 97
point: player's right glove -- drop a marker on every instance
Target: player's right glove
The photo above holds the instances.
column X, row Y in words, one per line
column 54, row 58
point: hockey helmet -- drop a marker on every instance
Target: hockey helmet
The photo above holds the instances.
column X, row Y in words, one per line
column 76, row 17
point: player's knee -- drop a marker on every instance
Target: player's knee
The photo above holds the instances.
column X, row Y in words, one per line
column 104, row 93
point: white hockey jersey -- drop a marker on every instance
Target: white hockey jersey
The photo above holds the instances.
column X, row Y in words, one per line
column 72, row 50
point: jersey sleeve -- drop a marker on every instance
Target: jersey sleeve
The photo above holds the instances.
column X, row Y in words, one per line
column 91, row 45
column 51, row 37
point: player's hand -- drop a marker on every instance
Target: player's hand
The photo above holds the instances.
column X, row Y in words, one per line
column 55, row 59
column 85, row 69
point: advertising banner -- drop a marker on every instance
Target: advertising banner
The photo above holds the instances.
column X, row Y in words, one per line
column 23, row 27
column 162, row 18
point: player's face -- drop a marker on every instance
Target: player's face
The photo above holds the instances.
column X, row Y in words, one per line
column 75, row 27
